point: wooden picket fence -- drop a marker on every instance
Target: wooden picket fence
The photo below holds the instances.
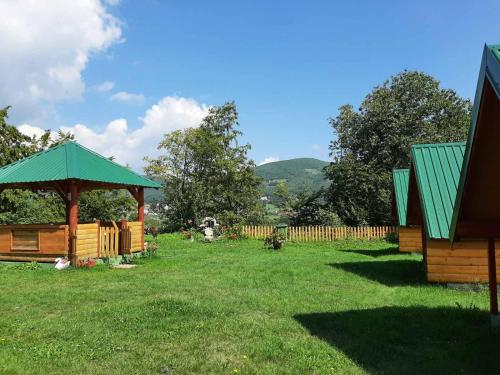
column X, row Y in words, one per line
column 109, row 237
column 320, row 233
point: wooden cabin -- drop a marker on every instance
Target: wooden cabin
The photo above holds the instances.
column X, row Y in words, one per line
column 69, row 169
column 410, row 237
column 434, row 176
column 476, row 215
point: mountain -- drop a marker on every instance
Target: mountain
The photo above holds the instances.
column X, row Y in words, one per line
column 299, row 174
column 152, row 196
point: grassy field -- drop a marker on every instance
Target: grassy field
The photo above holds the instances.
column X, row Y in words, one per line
column 233, row 307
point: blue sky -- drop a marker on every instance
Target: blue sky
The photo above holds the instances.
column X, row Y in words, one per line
column 288, row 65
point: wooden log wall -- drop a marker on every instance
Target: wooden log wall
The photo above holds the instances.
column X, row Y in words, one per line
column 464, row 261
column 87, row 239
column 319, row 233
column 410, row 239
column 33, row 242
column 136, row 229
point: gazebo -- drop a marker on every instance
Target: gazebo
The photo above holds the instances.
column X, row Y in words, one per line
column 70, row 169
column 410, row 236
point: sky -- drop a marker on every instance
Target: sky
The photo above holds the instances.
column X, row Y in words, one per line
column 119, row 74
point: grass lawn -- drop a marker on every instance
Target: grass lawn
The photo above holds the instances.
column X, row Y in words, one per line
column 233, row 307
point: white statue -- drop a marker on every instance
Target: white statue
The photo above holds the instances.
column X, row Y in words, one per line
column 209, row 234
column 209, row 223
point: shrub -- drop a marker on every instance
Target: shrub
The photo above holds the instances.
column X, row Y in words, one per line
column 188, row 234
column 392, row 237
column 275, row 240
column 127, row 259
column 234, row 232
column 151, row 249
column 86, row 262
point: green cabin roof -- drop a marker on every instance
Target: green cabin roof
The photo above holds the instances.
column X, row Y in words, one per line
column 70, row 160
column 437, row 170
column 400, row 178
column 489, row 70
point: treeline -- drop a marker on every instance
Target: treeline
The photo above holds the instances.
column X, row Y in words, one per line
column 206, row 171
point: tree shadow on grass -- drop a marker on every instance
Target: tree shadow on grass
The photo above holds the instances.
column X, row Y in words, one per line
column 388, row 272
column 375, row 253
column 411, row 340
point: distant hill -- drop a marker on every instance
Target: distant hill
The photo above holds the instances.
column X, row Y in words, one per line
column 153, row 195
column 299, row 174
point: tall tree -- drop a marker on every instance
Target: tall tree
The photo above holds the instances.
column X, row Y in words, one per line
column 206, row 172
column 409, row 108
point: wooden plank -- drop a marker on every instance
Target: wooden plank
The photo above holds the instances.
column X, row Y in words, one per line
column 459, row 270
column 458, row 278
column 455, row 253
column 458, row 261
column 28, row 258
column 32, row 226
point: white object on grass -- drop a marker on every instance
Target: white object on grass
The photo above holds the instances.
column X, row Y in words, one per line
column 61, row 263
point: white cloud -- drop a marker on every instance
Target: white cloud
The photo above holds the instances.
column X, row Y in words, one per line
column 46, row 45
column 316, row 147
column 130, row 146
column 105, row 86
column 127, row 97
column 269, row 159
column 31, row 130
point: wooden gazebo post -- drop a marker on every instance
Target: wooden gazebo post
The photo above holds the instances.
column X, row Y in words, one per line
column 138, row 194
column 140, row 212
column 73, row 219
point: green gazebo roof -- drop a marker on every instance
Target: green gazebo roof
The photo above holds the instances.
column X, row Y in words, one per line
column 70, row 161
column 437, row 170
column 400, row 179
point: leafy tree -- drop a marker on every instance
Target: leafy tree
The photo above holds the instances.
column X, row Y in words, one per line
column 408, row 108
column 281, row 195
column 14, row 145
column 206, row 172
column 105, row 205
column 311, row 209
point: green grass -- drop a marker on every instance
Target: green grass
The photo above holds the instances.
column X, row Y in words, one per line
column 233, row 307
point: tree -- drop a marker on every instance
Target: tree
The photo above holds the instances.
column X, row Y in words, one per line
column 206, row 172
column 311, row 209
column 106, row 205
column 408, row 108
column 14, row 145
column 281, row 195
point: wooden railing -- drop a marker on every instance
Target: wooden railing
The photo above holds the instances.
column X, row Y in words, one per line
column 109, row 240
column 320, row 233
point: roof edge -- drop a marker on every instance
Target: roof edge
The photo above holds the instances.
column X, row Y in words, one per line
column 394, row 173
column 490, row 70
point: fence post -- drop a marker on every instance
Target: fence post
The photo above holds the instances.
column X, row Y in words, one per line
column 98, row 222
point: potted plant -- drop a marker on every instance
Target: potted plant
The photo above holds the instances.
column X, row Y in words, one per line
column 275, row 240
